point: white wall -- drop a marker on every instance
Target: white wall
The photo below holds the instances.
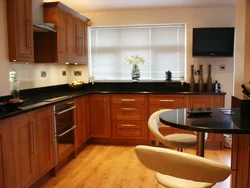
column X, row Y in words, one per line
column 193, row 17
column 242, row 46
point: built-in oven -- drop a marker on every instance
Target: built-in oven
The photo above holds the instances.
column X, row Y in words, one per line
column 64, row 129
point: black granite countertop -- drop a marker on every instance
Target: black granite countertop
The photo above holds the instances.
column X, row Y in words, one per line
column 40, row 97
column 221, row 120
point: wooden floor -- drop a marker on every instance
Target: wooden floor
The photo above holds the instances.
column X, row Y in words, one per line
column 100, row 166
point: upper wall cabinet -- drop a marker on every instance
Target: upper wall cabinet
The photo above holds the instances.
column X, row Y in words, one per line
column 70, row 40
column 20, row 30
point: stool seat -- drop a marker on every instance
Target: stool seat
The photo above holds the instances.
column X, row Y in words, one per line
column 176, row 140
column 181, row 140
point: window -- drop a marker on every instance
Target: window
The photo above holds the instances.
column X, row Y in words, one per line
column 162, row 47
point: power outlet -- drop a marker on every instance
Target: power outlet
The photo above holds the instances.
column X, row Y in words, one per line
column 196, row 72
column 222, row 67
column 43, row 74
column 64, row 73
column 77, row 73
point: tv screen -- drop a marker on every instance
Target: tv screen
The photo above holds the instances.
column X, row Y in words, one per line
column 213, row 41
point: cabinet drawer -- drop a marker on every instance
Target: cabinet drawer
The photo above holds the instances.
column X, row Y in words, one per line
column 128, row 112
column 128, row 99
column 129, row 129
column 167, row 101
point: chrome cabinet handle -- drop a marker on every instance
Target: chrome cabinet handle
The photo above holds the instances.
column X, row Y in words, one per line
column 65, row 132
column 61, row 112
column 166, row 100
column 128, row 109
column 33, row 137
column 128, row 100
column 127, row 125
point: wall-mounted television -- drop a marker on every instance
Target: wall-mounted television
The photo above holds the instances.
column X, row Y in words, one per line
column 217, row 41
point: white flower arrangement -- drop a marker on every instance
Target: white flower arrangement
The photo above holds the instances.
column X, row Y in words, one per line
column 134, row 59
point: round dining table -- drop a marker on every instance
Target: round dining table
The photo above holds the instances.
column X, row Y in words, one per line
column 207, row 120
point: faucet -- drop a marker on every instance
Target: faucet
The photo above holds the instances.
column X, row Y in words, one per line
column 92, row 79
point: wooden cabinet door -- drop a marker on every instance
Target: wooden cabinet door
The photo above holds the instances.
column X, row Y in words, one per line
column 80, row 122
column 5, row 155
column 78, row 44
column 100, row 115
column 20, row 30
column 63, row 35
column 87, row 118
column 45, row 140
column 82, row 131
column 25, row 150
column 85, row 42
column 200, row 101
column 218, row 101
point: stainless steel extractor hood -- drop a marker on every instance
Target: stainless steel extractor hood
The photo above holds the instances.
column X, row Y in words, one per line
column 38, row 22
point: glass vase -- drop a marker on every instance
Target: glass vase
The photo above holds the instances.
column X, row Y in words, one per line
column 135, row 73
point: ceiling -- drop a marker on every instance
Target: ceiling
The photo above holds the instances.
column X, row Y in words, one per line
column 98, row 5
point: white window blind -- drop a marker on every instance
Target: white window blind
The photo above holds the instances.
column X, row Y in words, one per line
column 162, row 47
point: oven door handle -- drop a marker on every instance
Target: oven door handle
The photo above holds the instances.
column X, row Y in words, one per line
column 61, row 112
column 60, row 135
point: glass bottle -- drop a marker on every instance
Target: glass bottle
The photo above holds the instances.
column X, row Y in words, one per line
column 201, row 83
column 209, row 79
column 14, row 85
column 192, row 81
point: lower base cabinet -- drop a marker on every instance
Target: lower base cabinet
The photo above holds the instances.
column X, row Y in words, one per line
column 82, row 131
column 157, row 102
column 33, row 146
column 45, row 141
column 5, row 155
column 24, row 150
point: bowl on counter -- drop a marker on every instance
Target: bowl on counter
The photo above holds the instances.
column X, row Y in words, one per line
column 14, row 103
column 76, row 84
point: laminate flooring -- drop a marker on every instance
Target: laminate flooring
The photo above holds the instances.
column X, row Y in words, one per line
column 108, row 166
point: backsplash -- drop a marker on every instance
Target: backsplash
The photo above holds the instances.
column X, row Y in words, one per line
column 42, row 75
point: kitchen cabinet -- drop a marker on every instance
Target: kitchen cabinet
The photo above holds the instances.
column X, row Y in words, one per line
column 63, row 33
column 33, row 146
column 160, row 101
column 129, row 116
column 70, row 38
column 209, row 101
column 218, row 101
column 87, row 118
column 100, row 115
column 45, row 142
column 82, row 131
column 200, row 101
column 79, row 40
column 5, row 155
column 20, row 30
column 24, row 149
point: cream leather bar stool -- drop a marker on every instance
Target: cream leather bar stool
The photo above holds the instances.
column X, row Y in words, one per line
column 181, row 170
column 176, row 140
